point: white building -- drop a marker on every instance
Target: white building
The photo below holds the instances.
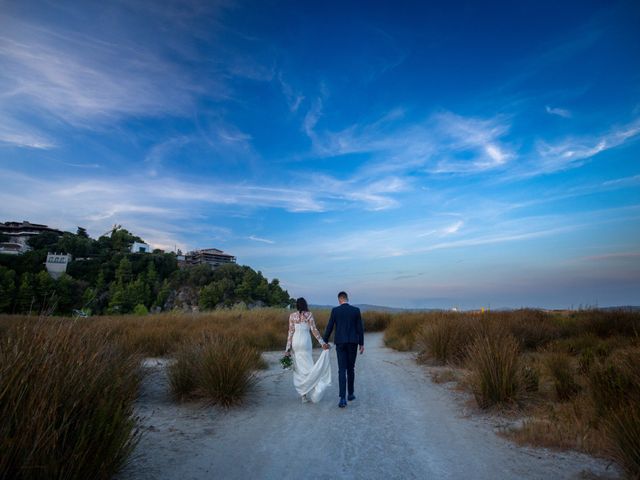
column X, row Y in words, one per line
column 57, row 264
column 13, row 248
column 209, row 256
column 19, row 234
column 138, row 247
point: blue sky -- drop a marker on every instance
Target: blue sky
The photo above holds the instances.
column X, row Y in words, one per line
column 417, row 155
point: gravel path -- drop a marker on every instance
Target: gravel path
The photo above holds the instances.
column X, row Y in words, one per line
column 400, row 426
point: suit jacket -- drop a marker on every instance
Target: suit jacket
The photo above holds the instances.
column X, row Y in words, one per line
column 348, row 323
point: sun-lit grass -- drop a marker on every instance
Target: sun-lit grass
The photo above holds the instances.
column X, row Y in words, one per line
column 446, row 338
column 493, row 359
column 66, row 402
column 218, row 369
column 55, row 367
column 576, row 377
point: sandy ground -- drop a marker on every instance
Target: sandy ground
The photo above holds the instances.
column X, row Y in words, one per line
column 400, row 426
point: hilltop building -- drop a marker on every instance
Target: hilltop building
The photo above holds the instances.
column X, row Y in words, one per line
column 57, row 264
column 19, row 234
column 208, row 256
column 138, row 247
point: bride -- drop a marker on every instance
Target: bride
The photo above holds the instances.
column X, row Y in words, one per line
column 310, row 380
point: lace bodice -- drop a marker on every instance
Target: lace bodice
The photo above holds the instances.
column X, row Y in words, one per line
column 305, row 318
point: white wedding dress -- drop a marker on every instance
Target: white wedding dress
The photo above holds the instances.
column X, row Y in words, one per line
column 310, row 379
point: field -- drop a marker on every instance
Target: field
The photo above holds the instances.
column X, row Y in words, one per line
column 67, row 387
column 571, row 377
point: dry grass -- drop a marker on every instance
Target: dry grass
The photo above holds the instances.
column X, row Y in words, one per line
column 576, row 376
column 219, row 369
column 561, row 370
column 446, row 338
column 376, row 321
column 402, row 332
column 66, row 399
column 444, row 376
column 493, row 359
column 67, row 386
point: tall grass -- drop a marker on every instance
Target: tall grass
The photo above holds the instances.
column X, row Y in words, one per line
column 219, row 369
column 493, row 359
column 402, row 332
column 615, row 390
column 446, row 338
column 376, row 321
column 562, row 372
column 66, row 401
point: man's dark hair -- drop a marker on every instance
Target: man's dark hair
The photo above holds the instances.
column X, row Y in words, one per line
column 343, row 296
column 301, row 305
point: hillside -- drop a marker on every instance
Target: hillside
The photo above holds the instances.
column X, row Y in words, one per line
column 105, row 278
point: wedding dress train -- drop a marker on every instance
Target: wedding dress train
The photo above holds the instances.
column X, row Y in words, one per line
column 309, row 378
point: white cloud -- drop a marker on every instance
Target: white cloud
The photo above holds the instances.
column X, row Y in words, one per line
column 17, row 134
column 560, row 112
column 443, row 143
column 575, row 152
column 261, row 240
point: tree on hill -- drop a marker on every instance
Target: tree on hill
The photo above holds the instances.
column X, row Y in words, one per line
column 104, row 276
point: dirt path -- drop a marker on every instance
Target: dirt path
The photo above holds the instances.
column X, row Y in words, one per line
column 401, row 426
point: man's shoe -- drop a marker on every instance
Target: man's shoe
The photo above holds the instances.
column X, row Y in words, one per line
column 343, row 402
column 351, row 398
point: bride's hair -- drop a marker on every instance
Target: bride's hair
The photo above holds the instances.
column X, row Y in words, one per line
column 301, row 305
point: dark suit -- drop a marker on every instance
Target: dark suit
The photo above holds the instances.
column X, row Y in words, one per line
column 349, row 334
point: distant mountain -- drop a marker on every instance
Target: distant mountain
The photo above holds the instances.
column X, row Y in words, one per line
column 380, row 308
column 626, row 308
column 365, row 307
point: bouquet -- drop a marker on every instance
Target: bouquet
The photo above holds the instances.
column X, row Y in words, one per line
column 286, row 362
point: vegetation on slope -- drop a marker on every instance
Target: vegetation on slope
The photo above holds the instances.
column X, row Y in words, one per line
column 105, row 278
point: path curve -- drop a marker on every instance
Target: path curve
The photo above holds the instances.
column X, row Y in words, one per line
column 401, row 426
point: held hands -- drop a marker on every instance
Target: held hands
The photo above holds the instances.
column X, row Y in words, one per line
column 325, row 346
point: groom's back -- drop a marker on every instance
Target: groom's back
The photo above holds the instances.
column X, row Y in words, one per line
column 348, row 324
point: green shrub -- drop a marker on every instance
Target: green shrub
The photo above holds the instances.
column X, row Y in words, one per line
column 140, row 310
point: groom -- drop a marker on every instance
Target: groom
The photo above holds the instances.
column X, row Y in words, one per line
column 349, row 334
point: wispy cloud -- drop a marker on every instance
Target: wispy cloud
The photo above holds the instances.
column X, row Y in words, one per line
column 261, row 240
column 560, row 112
column 293, row 98
column 443, row 143
column 75, row 78
column 16, row 134
column 574, row 152
column 158, row 153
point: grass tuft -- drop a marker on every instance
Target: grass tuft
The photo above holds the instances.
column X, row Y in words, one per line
column 561, row 371
column 446, row 339
column 66, row 402
column 219, row 369
column 494, row 362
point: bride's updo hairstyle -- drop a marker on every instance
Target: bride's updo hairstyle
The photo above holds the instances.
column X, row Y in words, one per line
column 301, row 305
